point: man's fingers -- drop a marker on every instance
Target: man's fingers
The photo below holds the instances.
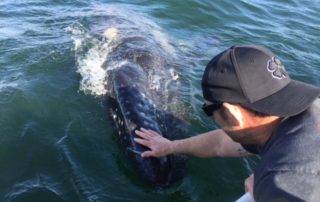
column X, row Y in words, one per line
column 148, row 138
column 143, row 129
column 249, row 183
column 142, row 141
column 149, row 132
column 142, row 134
column 154, row 133
column 147, row 154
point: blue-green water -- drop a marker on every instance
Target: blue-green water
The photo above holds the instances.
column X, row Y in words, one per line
column 57, row 140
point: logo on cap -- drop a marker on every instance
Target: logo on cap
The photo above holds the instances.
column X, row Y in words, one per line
column 276, row 68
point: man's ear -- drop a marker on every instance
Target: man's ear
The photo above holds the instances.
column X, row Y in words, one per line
column 235, row 113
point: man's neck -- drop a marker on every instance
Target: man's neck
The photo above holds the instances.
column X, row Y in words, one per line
column 265, row 129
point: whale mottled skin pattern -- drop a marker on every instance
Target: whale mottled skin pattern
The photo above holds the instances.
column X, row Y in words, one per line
column 137, row 110
column 138, row 58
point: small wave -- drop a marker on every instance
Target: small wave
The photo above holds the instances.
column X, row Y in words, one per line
column 40, row 188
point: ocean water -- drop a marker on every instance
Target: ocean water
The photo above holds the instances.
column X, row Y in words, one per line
column 57, row 139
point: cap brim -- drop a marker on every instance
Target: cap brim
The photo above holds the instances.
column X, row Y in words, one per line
column 289, row 101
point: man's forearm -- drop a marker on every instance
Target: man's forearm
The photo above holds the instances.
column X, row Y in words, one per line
column 211, row 144
column 203, row 145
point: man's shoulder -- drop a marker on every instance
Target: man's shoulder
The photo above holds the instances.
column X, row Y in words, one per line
column 295, row 144
column 289, row 186
column 290, row 160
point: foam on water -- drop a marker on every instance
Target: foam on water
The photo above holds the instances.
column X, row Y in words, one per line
column 90, row 62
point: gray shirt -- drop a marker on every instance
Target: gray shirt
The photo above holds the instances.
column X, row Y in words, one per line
column 289, row 169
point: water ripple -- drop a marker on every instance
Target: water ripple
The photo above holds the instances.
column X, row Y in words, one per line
column 40, row 188
column 56, row 142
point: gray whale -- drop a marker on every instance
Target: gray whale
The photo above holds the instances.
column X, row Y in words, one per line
column 137, row 56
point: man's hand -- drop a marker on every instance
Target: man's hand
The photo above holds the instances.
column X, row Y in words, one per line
column 248, row 184
column 158, row 145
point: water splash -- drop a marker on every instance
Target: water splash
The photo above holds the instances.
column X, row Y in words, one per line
column 91, row 53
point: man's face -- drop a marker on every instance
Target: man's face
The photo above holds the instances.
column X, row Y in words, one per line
column 230, row 124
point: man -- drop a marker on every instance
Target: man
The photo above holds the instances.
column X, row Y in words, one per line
column 260, row 110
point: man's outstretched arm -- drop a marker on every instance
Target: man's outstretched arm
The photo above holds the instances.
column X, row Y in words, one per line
column 211, row 144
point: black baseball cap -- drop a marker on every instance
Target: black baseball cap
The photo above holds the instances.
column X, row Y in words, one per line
column 252, row 76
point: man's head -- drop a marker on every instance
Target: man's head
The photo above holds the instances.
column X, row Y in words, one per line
column 253, row 77
column 249, row 90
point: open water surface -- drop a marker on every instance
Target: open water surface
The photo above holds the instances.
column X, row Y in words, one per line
column 57, row 140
